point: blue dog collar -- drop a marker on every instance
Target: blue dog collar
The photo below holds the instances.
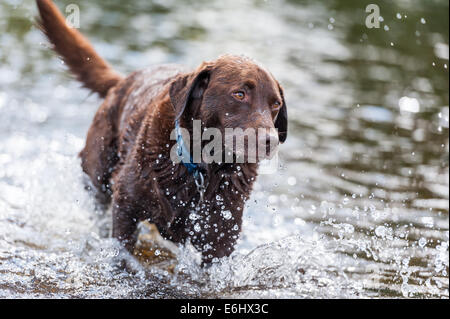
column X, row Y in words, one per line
column 183, row 153
column 186, row 160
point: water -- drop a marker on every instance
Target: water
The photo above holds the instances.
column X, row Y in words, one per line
column 358, row 209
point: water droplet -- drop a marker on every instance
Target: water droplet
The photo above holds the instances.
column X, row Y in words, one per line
column 407, row 104
column 193, row 216
column 226, row 214
column 422, row 242
column 292, row 181
column 383, row 232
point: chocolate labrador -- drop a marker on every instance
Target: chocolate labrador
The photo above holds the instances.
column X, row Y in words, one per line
column 128, row 152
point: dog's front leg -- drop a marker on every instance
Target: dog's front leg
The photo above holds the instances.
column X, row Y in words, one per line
column 125, row 223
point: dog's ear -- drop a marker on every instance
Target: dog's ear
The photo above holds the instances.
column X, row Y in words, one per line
column 186, row 92
column 281, row 123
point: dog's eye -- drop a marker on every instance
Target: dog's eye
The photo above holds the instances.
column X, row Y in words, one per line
column 240, row 95
column 276, row 105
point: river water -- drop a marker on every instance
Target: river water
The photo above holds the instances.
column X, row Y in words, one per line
column 358, row 209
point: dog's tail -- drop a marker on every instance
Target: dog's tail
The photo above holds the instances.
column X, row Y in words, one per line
column 76, row 51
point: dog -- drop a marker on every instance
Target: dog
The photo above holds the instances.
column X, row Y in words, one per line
column 128, row 147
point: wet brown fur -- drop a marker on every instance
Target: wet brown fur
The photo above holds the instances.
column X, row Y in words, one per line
column 127, row 152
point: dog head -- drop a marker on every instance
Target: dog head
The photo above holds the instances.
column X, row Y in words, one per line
column 234, row 93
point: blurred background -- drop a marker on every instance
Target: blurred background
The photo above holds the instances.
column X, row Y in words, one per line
column 359, row 207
